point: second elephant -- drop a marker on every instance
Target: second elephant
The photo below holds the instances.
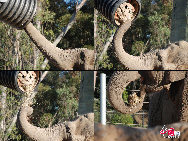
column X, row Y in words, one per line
column 167, row 92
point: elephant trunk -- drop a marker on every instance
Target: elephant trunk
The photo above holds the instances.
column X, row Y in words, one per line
column 46, row 47
column 145, row 62
column 116, row 87
column 55, row 133
column 80, row 58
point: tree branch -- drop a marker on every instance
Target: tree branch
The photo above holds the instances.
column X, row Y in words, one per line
column 65, row 30
column 70, row 24
column 106, row 47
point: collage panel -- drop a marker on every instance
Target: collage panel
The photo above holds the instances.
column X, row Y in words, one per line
column 46, row 105
column 141, row 105
column 141, row 34
column 85, row 70
column 46, row 35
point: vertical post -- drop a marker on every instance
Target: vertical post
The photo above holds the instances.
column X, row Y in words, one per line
column 86, row 97
column 143, row 118
column 103, row 98
column 179, row 28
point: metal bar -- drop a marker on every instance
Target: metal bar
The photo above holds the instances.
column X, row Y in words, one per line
column 133, row 90
column 103, row 98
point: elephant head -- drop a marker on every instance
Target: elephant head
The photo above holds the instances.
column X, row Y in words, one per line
column 150, row 82
column 69, row 59
column 174, row 57
column 78, row 130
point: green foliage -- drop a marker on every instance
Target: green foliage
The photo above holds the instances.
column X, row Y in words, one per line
column 121, row 118
column 125, row 96
column 105, row 63
column 138, row 48
column 45, row 119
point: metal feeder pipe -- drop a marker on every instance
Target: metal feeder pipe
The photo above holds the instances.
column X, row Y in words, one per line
column 18, row 80
column 129, row 9
column 17, row 13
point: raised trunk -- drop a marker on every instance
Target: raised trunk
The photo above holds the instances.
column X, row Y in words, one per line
column 145, row 62
column 64, row 59
column 81, row 129
column 55, row 133
column 117, row 85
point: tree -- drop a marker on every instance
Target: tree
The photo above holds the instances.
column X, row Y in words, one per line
column 179, row 21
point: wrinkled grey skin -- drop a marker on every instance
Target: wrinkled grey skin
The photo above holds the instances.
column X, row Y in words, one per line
column 173, row 57
column 81, row 58
column 125, row 133
column 157, row 84
column 81, row 129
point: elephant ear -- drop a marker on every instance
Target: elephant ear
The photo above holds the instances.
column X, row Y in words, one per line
column 176, row 75
column 116, row 87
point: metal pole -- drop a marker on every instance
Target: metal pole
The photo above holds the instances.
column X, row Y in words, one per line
column 103, row 98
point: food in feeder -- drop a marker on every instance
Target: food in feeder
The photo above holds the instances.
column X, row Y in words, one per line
column 27, row 80
column 123, row 13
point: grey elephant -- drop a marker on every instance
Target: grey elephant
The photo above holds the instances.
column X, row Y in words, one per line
column 167, row 91
column 81, row 129
column 173, row 57
column 124, row 133
column 20, row 17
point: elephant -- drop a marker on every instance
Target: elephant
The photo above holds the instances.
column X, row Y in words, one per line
column 19, row 16
column 167, row 91
column 81, row 129
column 125, row 133
column 69, row 59
column 173, row 57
